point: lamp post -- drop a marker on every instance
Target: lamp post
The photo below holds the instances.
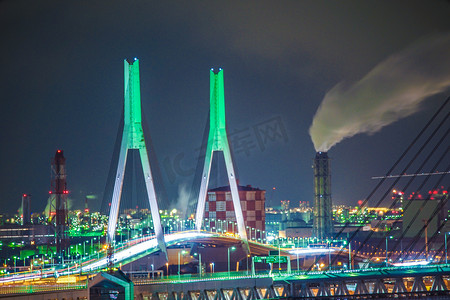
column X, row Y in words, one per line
column 232, row 249
column 387, row 248
column 200, row 264
column 179, row 268
column 329, row 256
column 350, row 255
column 15, row 257
column 426, row 238
column 446, row 249
column 279, row 259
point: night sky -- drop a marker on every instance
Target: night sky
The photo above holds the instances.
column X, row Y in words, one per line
column 61, row 84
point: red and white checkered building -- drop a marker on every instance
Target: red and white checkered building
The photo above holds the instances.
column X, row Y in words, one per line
column 219, row 206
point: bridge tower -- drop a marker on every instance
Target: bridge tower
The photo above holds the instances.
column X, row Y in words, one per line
column 133, row 138
column 218, row 141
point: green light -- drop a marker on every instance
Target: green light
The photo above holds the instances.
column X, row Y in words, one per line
column 133, row 138
column 218, row 141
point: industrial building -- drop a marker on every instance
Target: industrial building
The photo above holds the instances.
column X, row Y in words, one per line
column 425, row 215
column 219, row 206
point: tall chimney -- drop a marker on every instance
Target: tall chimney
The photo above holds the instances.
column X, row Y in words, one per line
column 322, row 226
column 26, row 209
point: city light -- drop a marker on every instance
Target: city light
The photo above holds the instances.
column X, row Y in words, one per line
column 412, row 263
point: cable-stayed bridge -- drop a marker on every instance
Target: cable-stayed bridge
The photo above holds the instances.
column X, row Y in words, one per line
column 271, row 270
column 432, row 280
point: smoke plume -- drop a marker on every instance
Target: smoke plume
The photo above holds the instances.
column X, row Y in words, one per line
column 183, row 201
column 51, row 205
column 392, row 90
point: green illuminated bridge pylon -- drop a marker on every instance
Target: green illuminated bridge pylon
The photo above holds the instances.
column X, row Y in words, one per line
column 133, row 138
column 218, row 141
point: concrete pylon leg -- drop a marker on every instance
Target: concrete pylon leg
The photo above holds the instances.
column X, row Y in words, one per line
column 218, row 141
column 133, row 138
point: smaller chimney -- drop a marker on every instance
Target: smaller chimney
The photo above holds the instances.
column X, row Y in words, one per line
column 26, row 209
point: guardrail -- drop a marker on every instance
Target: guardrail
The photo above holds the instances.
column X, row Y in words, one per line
column 28, row 289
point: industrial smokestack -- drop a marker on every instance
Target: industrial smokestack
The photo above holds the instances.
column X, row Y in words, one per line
column 322, row 226
column 26, row 209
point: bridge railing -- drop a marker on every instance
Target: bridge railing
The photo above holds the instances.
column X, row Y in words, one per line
column 30, row 288
column 277, row 274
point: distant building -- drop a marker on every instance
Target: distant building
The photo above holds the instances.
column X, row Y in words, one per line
column 294, row 222
column 219, row 206
column 430, row 210
column 295, row 232
column 303, row 204
column 274, row 219
column 397, row 199
column 285, row 204
column 29, row 234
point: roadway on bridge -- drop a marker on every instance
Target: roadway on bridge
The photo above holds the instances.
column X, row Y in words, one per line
column 138, row 248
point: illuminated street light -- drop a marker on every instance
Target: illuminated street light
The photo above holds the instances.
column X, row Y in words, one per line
column 232, row 249
column 446, row 249
column 199, row 263
column 329, row 257
column 15, row 257
column 179, row 271
column 390, row 237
